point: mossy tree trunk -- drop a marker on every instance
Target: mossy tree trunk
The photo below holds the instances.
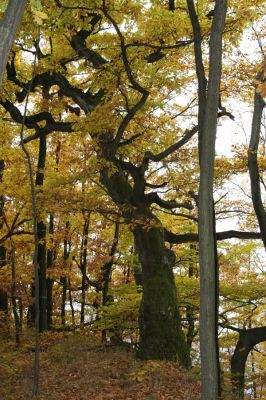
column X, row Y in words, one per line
column 161, row 335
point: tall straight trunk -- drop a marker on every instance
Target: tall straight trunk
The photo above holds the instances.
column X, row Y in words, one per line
column 202, row 115
column 208, row 267
column 63, row 279
column 8, row 29
column 41, row 230
column 161, row 336
column 49, row 281
column 83, row 264
column 3, row 294
column 13, row 291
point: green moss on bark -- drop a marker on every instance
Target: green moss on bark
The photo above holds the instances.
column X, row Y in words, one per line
column 161, row 335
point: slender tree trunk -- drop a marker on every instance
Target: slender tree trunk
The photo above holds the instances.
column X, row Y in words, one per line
column 41, row 226
column 3, row 294
column 49, row 281
column 35, row 388
column 253, row 167
column 208, row 267
column 31, row 308
column 83, row 264
column 190, row 309
column 13, row 291
column 106, row 273
column 248, row 338
column 63, row 279
column 217, row 297
column 107, row 268
column 64, row 287
column 8, row 29
column 71, row 304
column 20, row 307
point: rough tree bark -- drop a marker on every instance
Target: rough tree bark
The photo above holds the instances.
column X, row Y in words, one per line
column 8, row 29
column 161, row 335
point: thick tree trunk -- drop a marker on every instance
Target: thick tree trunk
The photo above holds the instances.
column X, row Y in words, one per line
column 161, row 335
column 248, row 338
column 8, row 29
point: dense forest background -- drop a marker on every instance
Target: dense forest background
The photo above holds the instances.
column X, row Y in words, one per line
column 108, row 170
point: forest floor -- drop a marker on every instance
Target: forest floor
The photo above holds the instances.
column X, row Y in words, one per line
column 77, row 367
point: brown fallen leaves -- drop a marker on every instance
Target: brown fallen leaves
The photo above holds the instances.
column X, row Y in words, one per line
column 76, row 367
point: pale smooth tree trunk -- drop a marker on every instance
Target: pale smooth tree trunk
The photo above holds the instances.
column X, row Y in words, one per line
column 8, row 29
column 208, row 344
